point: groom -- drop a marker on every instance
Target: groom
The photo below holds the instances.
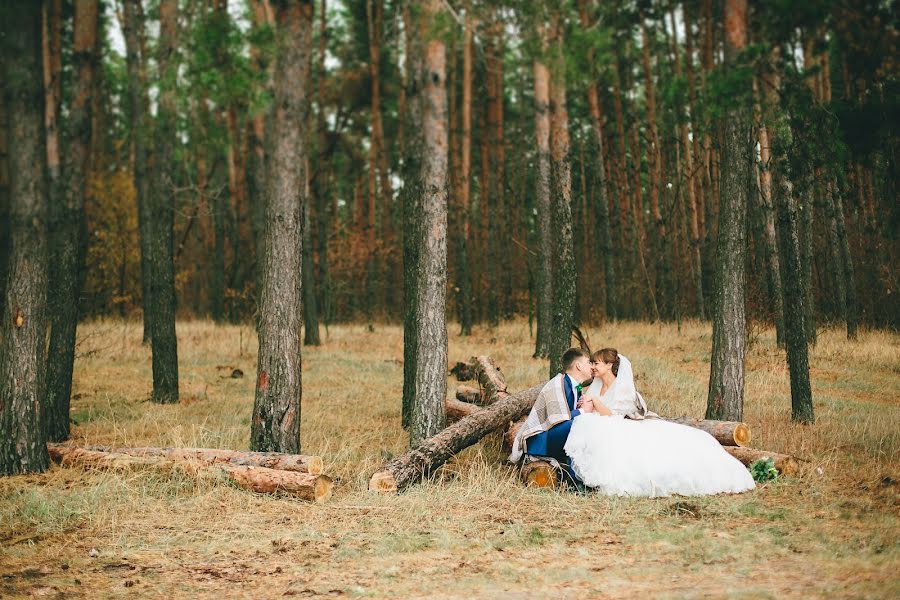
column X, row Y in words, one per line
column 545, row 431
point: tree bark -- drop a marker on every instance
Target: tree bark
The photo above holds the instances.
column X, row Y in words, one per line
column 543, row 206
column 430, row 294
column 773, row 266
column 297, row 463
column 164, row 342
column 455, row 409
column 849, row 275
column 564, row 288
column 67, row 242
column 276, row 408
column 138, row 103
column 726, row 381
column 412, row 205
column 4, row 203
column 262, row 480
column 423, row 459
column 727, row 433
column 464, row 276
column 24, row 323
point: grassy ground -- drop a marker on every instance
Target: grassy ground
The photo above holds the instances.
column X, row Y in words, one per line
column 473, row 531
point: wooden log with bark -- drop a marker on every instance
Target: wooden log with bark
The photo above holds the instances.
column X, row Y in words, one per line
column 298, row 463
column 489, row 377
column 431, row 453
column 784, row 463
column 262, row 480
column 457, row 410
column 727, row 433
column 467, row 393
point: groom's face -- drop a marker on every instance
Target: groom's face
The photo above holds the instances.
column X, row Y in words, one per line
column 582, row 367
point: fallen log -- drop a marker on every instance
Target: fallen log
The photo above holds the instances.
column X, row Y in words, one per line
column 262, row 480
column 433, row 452
column 727, row 433
column 463, row 371
column 298, row 463
column 489, row 377
column 467, row 393
column 509, row 436
column 456, row 410
column 538, row 473
column 784, row 463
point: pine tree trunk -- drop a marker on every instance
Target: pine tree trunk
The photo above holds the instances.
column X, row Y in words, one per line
column 138, row 104
column 564, row 288
column 725, row 401
column 414, row 146
column 773, row 269
column 276, row 409
column 4, row 203
column 430, row 294
column 543, row 208
column 24, row 323
column 852, row 305
column 463, row 267
column 67, row 242
column 794, row 312
column 310, row 306
column 806, row 209
column 602, row 231
column 163, row 341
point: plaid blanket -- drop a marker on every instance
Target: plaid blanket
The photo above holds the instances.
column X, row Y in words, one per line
column 549, row 409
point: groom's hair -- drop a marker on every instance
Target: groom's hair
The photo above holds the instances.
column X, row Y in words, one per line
column 570, row 356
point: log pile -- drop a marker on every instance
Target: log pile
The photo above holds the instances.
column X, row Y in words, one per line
column 476, row 412
column 262, row 472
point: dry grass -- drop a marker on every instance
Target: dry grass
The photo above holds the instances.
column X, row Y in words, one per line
column 472, row 531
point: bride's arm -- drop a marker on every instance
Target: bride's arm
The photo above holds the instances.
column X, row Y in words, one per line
column 598, row 407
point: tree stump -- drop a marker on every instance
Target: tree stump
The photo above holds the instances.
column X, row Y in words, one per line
column 539, row 473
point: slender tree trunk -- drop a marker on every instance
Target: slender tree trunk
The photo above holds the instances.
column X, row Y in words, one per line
column 543, row 207
column 806, row 210
column 430, row 294
column 565, row 283
column 24, row 324
column 794, row 313
column 138, row 103
column 323, row 181
column 52, row 55
column 162, row 283
column 654, row 155
column 276, row 409
column 773, row 268
column 604, row 241
column 412, row 205
column 310, row 306
column 849, row 275
column 67, row 243
column 4, row 203
column 464, row 275
column 726, row 381
column 688, row 149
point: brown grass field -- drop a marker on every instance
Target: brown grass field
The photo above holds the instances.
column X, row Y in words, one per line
column 472, row 531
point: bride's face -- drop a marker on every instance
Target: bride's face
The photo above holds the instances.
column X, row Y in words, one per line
column 600, row 368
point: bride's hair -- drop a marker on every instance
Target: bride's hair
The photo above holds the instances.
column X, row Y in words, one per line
column 608, row 355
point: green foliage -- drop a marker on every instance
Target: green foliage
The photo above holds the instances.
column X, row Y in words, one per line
column 764, row 470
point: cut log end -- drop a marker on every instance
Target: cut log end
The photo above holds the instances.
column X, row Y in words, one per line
column 539, row 474
column 383, row 482
column 742, row 435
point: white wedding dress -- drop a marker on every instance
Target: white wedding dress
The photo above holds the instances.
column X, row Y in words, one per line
column 647, row 457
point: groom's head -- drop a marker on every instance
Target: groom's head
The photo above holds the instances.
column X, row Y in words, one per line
column 577, row 365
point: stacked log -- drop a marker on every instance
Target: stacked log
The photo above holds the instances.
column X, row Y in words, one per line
column 784, row 463
column 301, row 477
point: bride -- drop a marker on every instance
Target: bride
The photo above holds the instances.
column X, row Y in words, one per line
column 635, row 456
